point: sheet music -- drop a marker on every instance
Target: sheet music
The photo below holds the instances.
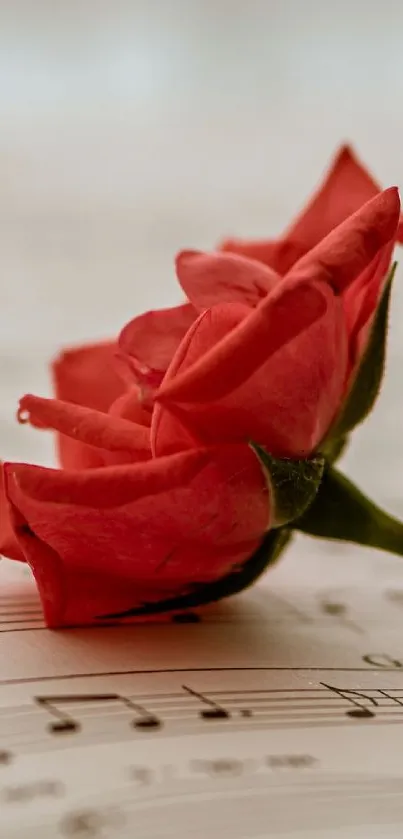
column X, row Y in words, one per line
column 278, row 713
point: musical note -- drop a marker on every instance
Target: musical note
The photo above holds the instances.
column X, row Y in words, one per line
column 214, row 711
column 382, row 660
column 335, row 608
column 223, row 766
column 395, row 596
column 92, row 823
column 359, row 711
column 65, row 723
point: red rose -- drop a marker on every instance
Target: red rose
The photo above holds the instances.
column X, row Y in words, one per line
column 172, row 440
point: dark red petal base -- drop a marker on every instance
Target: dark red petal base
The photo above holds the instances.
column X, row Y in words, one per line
column 233, row 583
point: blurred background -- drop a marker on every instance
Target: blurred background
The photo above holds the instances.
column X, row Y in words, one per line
column 132, row 129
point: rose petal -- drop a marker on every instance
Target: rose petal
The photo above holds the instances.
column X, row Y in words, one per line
column 131, row 407
column 94, row 428
column 148, row 342
column 286, row 403
column 86, row 376
column 369, row 301
column 208, row 330
column 210, row 278
column 106, row 540
column 279, row 254
column 361, row 297
column 347, row 186
column 8, row 543
column 224, row 364
column 342, row 255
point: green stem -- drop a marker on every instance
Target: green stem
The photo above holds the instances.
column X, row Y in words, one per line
column 341, row 511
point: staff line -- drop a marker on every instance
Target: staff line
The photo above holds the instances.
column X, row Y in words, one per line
column 174, row 670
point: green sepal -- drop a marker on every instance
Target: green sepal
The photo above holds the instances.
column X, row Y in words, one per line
column 334, row 449
column 365, row 388
column 340, row 511
column 200, row 594
column 293, row 484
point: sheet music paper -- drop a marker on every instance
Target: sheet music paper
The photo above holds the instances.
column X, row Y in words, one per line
column 278, row 713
